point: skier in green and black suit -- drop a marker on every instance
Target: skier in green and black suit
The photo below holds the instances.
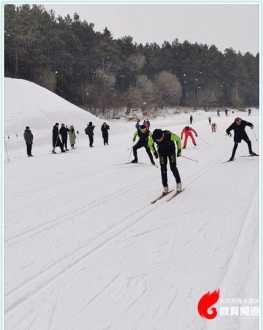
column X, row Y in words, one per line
column 145, row 141
column 165, row 141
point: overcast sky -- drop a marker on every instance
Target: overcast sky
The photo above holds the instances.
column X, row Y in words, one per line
column 234, row 25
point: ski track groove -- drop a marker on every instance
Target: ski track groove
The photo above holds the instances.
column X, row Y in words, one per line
column 33, row 291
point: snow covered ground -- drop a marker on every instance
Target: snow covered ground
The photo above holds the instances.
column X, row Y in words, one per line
column 85, row 250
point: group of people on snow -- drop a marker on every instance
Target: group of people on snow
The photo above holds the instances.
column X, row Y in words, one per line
column 162, row 144
column 60, row 137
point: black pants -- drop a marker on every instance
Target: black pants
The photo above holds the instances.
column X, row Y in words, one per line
column 29, row 149
column 57, row 143
column 173, row 167
column 65, row 143
column 105, row 139
column 141, row 144
column 90, row 140
column 246, row 139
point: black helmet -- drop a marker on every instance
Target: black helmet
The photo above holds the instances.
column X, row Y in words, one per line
column 157, row 134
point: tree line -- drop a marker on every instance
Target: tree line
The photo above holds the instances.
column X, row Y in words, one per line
column 98, row 72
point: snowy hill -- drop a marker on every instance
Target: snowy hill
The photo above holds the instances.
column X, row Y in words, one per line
column 28, row 104
column 85, row 249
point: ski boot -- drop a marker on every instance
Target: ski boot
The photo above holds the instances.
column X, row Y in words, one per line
column 179, row 187
column 253, row 154
column 135, row 161
column 165, row 190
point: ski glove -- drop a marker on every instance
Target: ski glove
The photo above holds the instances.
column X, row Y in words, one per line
column 179, row 153
column 155, row 154
column 229, row 134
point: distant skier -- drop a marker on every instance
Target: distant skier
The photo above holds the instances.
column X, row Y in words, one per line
column 209, row 120
column 28, row 136
column 55, row 139
column 249, row 112
column 105, row 133
column 89, row 130
column 72, row 136
column 238, row 126
column 165, row 141
column 145, row 141
column 213, row 127
column 64, row 136
column 186, row 133
column 191, row 120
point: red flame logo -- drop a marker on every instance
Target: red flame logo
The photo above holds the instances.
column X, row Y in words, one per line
column 205, row 304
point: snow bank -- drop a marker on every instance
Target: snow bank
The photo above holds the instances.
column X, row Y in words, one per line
column 28, row 104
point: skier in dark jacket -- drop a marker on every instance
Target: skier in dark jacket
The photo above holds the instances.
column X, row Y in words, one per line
column 165, row 141
column 238, row 126
column 64, row 136
column 89, row 130
column 28, row 136
column 105, row 133
column 55, row 139
column 145, row 141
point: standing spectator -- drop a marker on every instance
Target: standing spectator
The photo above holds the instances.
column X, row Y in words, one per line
column 28, row 136
column 72, row 136
column 191, row 120
column 105, row 133
column 213, row 127
column 64, row 136
column 218, row 113
column 55, row 139
column 249, row 112
column 89, row 130
column 209, row 120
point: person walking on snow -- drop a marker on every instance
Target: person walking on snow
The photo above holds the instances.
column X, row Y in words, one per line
column 188, row 132
column 64, row 136
column 238, row 126
column 55, row 139
column 165, row 141
column 105, row 133
column 72, row 136
column 28, row 136
column 145, row 141
column 89, row 130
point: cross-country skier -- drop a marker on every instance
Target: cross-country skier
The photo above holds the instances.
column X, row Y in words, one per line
column 145, row 141
column 72, row 136
column 89, row 130
column 147, row 123
column 165, row 141
column 238, row 126
column 64, row 136
column 55, row 139
column 28, row 136
column 188, row 132
column 105, row 133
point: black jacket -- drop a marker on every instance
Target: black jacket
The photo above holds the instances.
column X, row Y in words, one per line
column 239, row 130
column 89, row 130
column 63, row 132
column 104, row 129
column 28, row 136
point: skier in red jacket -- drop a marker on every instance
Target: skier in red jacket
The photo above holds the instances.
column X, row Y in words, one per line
column 188, row 132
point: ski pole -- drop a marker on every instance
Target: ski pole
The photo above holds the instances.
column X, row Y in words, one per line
column 255, row 135
column 193, row 160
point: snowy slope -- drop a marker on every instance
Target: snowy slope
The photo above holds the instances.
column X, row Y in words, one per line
column 84, row 249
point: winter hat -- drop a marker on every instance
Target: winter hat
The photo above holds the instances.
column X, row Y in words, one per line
column 157, row 134
column 27, row 127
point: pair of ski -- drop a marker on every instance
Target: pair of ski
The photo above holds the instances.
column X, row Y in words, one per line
column 172, row 196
